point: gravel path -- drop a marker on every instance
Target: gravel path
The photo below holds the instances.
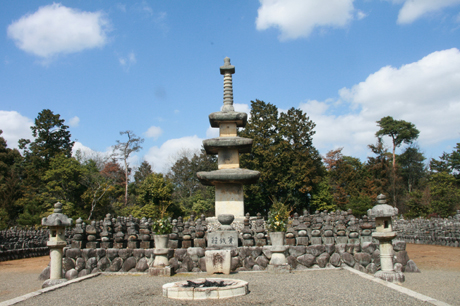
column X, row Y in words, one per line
column 314, row 287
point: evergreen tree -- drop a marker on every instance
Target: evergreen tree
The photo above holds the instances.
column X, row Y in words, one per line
column 282, row 151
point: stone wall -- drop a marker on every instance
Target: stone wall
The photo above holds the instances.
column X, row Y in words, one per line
column 23, row 243
column 365, row 258
column 439, row 231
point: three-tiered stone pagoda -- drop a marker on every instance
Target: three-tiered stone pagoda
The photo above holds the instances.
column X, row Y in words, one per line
column 229, row 178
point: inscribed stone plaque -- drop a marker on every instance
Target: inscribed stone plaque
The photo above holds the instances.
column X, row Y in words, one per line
column 224, row 239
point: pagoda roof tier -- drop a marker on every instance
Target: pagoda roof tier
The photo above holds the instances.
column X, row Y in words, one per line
column 229, row 176
column 218, row 117
column 213, row 145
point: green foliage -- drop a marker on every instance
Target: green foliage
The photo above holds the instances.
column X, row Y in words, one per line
column 154, row 197
column 448, row 162
column 189, row 194
column 322, row 198
column 418, row 204
column 162, row 226
column 445, row 194
column 278, row 216
column 400, row 131
column 411, row 167
column 290, row 166
column 360, row 204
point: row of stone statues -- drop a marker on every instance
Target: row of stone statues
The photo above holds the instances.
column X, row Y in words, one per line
column 16, row 238
column 439, row 231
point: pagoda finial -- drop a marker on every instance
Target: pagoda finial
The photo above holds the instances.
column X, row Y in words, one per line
column 227, row 70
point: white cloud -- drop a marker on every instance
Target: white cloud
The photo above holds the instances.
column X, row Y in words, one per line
column 162, row 158
column 14, row 127
column 298, row 18
column 425, row 93
column 154, row 132
column 414, row 9
column 127, row 61
column 73, row 122
column 55, row 29
column 212, row 132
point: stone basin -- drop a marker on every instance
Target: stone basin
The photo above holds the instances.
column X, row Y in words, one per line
column 205, row 288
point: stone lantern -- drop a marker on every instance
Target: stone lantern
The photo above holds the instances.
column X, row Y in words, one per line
column 384, row 234
column 56, row 223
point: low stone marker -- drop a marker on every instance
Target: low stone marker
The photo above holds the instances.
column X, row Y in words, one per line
column 218, row 261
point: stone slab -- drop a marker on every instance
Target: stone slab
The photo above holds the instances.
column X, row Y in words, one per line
column 223, row 239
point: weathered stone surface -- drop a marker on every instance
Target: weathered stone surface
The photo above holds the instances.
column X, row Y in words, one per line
column 187, row 263
column 372, row 268
column 80, row 264
column 256, row 268
column 95, row 270
column 411, row 267
column 138, row 253
column 116, row 265
column 104, row 263
column 84, row 272
column 73, row 253
column 316, row 250
column 267, row 252
column 216, row 118
column 100, row 253
column 235, row 252
column 195, row 253
column 292, row 261
column 213, row 145
column 228, row 176
column 323, row 259
column 71, row 274
column 180, row 253
column 348, row 259
column 335, row 260
column 149, row 253
column 125, row 253
column 359, row 267
column 401, row 257
column 68, row 263
column 369, row 247
column 91, row 263
column 202, row 264
column 297, row 251
column 249, row 262
column 112, row 254
column 340, row 248
column 307, row 260
column 330, row 248
column 45, row 274
column 353, row 248
column 88, row 253
column 235, row 263
column 255, row 251
column 128, row 264
column 398, row 267
column 241, row 269
column 262, row 261
column 363, row 258
column 399, row 245
column 142, row 265
column 376, row 257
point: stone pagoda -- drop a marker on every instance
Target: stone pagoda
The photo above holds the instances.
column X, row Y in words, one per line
column 229, row 178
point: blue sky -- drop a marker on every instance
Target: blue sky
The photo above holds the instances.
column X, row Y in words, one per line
column 152, row 67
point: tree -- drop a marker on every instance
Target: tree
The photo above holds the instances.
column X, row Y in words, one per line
column 63, row 184
column 189, row 194
column 10, row 188
column 123, row 150
column 444, row 193
column 400, row 132
column 290, row 166
column 448, row 162
column 154, row 197
column 51, row 139
column 412, row 167
column 379, row 169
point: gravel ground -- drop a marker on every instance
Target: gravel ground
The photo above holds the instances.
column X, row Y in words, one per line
column 441, row 285
column 314, row 287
